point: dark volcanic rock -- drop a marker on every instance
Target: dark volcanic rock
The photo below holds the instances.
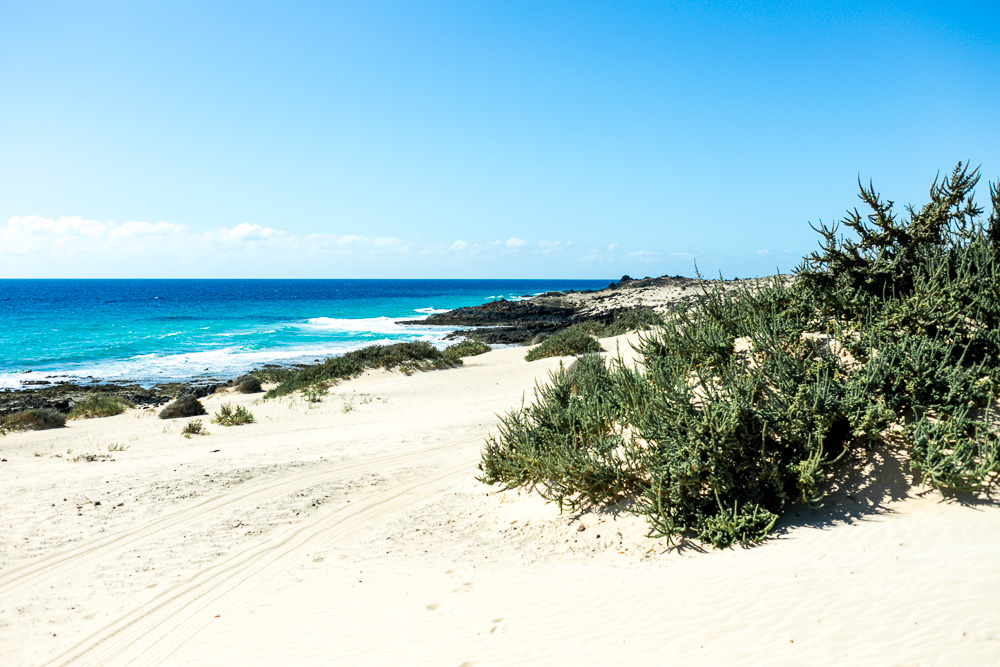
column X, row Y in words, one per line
column 509, row 322
column 185, row 406
column 497, row 313
column 248, row 384
column 516, row 335
column 64, row 396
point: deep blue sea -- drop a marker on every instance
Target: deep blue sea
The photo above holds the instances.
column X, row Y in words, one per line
column 150, row 331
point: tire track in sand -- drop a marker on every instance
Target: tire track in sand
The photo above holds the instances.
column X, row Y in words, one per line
column 16, row 580
column 152, row 632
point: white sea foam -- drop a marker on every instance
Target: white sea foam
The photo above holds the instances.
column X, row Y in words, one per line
column 430, row 311
column 511, row 297
column 229, row 361
column 374, row 325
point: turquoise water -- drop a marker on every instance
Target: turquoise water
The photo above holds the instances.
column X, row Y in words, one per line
column 151, row 331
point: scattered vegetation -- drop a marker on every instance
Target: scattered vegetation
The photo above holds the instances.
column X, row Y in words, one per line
column 91, row 458
column 275, row 374
column 230, row 416
column 193, row 427
column 185, row 406
column 467, row 348
column 570, row 341
column 579, row 338
column 35, row 419
column 623, row 321
column 409, row 357
column 100, row 405
column 745, row 401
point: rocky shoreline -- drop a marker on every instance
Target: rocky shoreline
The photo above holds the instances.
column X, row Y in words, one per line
column 63, row 395
column 496, row 323
column 519, row 322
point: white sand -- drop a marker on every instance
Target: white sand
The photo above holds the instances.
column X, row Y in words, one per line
column 325, row 536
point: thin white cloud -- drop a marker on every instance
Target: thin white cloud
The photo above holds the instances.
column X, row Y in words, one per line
column 766, row 252
column 549, row 247
column 25, row 235
column 245, row 232
column 42, row 245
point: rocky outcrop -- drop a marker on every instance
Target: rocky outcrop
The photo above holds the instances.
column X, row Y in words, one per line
column 63, row 396
column 515, row 322
column 505, row 322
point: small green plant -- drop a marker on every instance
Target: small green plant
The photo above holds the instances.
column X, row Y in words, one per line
column 35, row 419
column 193, row 427
column 114, row 447
column 348, row 404
column 99, row 405
column 314, row 393
column 569, row 342
column 230, row 416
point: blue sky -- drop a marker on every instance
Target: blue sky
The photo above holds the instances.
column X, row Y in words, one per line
column 471, row 139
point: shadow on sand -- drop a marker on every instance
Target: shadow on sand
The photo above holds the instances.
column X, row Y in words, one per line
column 864, row 488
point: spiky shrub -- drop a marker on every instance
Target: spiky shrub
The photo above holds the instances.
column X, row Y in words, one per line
column 184, row 406
column 99, row 405
column 568, row 342
column 746, row 399
column 35, row 419
column 232, row 416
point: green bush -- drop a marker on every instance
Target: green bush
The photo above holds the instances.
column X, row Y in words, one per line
column 35, row 419
column 184, row 406
column 100, row 405
column 193, row 427
column 633, row 319
column 407, row 356
column 274, row 374
column 571, row 341
column 467, row 348
column 747, row 398
column 230, row 416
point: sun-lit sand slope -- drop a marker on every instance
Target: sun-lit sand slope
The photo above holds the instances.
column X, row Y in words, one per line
column 353, row 531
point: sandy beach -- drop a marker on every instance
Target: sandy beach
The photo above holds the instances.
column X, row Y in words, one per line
column 353, row 531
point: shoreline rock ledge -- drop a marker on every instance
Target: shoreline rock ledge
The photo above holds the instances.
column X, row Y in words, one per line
column 518, row 322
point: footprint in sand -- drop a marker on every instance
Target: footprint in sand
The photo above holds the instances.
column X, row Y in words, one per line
column 500, row 626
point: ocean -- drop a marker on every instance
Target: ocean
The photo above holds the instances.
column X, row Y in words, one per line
column 151, row 331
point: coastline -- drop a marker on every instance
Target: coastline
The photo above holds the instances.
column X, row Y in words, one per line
column 499, row 322
column 506, row 316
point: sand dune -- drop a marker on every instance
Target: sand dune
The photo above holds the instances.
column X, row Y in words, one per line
column 353, row 532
